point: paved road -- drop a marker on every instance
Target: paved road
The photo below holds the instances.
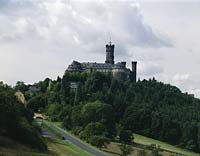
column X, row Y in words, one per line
column 76, row 141
column 44, row 131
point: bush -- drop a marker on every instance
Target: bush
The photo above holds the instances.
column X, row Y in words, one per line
column 92, row 129
column 27, row 134
column 99, row 141
column 126, row 137
column 125, row 149
column 15, row 120
column 77, row 130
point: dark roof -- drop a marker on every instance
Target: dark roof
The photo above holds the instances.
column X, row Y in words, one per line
column 97, row 65
column 76, row 66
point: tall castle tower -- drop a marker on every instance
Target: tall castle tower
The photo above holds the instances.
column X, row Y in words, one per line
column 134, row 71
column 118, row 70
column 110, row 53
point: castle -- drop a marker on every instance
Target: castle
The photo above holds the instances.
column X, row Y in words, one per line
column 117, row 70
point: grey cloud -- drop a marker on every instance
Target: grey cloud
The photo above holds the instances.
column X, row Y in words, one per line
column 73, row 31
column 92, row 24
column 187, row 83
column 149, row 68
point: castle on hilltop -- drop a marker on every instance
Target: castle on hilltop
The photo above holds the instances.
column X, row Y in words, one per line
column 117, row 70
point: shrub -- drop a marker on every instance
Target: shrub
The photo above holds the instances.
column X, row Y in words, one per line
column 99, row 141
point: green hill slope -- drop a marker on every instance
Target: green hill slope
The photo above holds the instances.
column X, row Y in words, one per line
column 149, row 141
column 55, row 148
column 9, row 147
column 100, row 106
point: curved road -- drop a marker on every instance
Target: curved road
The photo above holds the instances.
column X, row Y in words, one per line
column 75, row 141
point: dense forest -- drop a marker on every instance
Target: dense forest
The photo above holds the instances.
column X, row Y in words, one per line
column 101, row 107
column 16, row 121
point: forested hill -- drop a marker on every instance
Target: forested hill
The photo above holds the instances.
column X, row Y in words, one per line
column 102, row 106
column 16, row 122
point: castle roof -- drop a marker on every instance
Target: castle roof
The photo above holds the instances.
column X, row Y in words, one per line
column 76, row 66
column 97, row 65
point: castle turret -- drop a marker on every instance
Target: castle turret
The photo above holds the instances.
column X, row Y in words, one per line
column 123, row 64
column 134, row 71
column 110, row 53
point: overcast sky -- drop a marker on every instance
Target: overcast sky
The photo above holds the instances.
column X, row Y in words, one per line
column 40, row 38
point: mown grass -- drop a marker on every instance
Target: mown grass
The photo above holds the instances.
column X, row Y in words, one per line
column 55, row 148
column 63, row 148
column 51, row 130
column 59, row 124
column 148, row 141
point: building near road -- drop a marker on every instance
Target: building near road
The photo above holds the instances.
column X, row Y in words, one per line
column 117, row 70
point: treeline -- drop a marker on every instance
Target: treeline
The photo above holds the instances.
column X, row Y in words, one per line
column 102, row 107
column 16, row 120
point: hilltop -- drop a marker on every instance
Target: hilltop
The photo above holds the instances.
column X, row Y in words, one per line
column 93, row 105
column 100, row 109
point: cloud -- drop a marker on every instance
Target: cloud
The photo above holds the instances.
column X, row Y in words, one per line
column 195, row 92
column 186, row 83
column 150, row 69
column 85, row 24
column 39, row 38
column 180, row 78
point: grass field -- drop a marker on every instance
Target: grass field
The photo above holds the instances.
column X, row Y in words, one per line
column 55, row 148
column 51, row 130
column 12, row 148
column 59, row 124
column 61, row 148
column 148, row 141
column 113, row 148
column 142, row 143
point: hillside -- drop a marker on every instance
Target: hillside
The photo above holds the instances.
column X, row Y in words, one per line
column 9, row 147
column 142, row 143
column 55, row 148
column 16, row 121
column 99, row 107
column 165, row 146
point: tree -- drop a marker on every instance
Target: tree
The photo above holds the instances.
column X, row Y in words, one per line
column 92, row 112
column 20, row 86
column 16, row 120
column 141, row 153
column 65, row 84
column 76, row 116
column 99, row 141
column 65, row 116
column 93, row 129
column 102, row 113
column 37, row 102
column 155, row 150
column 126, row 137
column 125, row 149
column 53, row 111
column 148, row 107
